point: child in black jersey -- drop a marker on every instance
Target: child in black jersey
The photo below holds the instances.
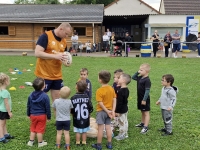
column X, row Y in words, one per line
column 143, row 98
column 82, row 107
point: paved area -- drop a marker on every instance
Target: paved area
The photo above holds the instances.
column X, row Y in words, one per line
column 192, row 54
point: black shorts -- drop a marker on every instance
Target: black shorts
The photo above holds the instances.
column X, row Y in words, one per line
column 63, row 125
column 4, row 115
column 53, row 85
column 144, row 107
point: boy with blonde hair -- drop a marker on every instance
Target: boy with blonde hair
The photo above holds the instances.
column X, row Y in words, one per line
column 143, row 98
column 106, row 104
column 63, row 107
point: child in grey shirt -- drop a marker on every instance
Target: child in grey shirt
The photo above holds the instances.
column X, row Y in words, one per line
column 167, row 102
column 63, row 107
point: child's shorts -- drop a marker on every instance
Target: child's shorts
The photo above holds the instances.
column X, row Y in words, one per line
column 63, row 125
column 144, row 107
column 38, row 123
column 79, row 130
column 102, row 118
column 4, row 115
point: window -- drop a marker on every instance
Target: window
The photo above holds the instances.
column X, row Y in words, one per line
column 3, row 30
column 48, row 28
column 80, row 31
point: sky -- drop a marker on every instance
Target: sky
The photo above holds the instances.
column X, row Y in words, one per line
column 153, row 3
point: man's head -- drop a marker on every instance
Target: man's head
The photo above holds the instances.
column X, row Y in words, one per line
column 65, row 92
column 64, row 30
column 176, row 31
column 38, row 84
column 104, row 76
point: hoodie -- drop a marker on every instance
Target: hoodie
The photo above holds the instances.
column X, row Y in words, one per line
column 38, row 104
column 168, row 97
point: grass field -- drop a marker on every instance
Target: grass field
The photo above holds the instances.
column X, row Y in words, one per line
column 186, row 113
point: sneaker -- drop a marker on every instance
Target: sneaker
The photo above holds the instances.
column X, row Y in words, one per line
column 58, row 146
column 120, row 137
column 198, row 56
column 105, row 51
column 4, row 141
column 98, row 147
column 167, row 133
column 144, row 130
column 10, row 137
column 162, row 130
column 140, row 125
column 42, row 144
column 30, row 143
column 67, row 147
column 109, row 146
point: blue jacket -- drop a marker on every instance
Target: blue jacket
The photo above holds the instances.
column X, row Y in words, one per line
column 38, row 104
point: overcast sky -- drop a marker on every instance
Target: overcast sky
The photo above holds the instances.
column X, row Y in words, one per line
column 153, row 3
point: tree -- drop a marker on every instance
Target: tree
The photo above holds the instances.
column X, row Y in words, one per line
column 105, row 2
column 37, row 2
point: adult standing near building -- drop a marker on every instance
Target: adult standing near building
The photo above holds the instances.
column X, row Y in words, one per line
column 176, row 43
column 49, row 52
column 74, row 40
column 167, row 40
column 112, row 42
column 127, row 39
column 108, row 33
column 155, row 38
column 105, row 42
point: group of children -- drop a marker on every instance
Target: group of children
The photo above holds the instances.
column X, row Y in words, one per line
column 112, row 107
column 89, row 47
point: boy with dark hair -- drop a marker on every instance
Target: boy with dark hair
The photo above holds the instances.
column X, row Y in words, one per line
column 38, row 110
column 167, row 102
column 143, row 98
column 82, row 107
column 106, row 104
column 62, row 107
column 122, row 106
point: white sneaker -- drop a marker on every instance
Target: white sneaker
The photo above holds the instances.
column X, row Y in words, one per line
column 42, row 144
column 198, row 56
column 144, row 130
column 105, row 51
column 30, row 143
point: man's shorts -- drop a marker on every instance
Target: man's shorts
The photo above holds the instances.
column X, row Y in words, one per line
column 53, row 85
column 102, row 118
column 176, row 47
column 63, row 125
column 144, row 107
column 38, row 123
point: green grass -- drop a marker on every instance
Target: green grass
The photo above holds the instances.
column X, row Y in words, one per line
column 186, row 113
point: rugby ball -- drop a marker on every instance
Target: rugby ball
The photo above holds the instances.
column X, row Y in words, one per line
column 68, row 60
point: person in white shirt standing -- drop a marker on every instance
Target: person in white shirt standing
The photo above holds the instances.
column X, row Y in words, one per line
column 105, row 42
column 74, row 40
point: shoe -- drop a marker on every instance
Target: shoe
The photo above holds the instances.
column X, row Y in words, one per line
column 109, row 146
column 58, row 146
column 105, row 51
column 30, row 143
column 167, row 133
column 144, row 131
column 162, row 130
column 98, row 147
column 42, row 144
column 76, row 54
column 4, row 141
column 140, row 125
column 120, row 137
column 67, row 147
column 10, row 137
column 198, row 56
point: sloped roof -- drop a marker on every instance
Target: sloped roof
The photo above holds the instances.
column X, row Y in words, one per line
column 129, row 7
column 182, row 7
column 51, row 13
